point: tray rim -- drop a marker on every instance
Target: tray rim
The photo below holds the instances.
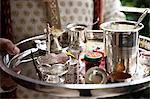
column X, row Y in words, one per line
column 77, row 86
column 71, row 86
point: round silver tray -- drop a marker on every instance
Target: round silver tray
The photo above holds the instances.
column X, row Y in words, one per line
column 64, row 90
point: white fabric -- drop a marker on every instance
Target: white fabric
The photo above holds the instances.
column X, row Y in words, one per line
column 27, row 16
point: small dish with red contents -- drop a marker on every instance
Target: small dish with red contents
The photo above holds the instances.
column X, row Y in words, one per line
column 92, row 59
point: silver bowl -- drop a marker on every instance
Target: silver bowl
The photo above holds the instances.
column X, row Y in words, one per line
column 23, row 61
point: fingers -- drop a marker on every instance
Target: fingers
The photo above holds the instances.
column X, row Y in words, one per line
column 9, row 46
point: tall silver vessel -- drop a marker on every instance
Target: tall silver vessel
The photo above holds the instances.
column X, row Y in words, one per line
column 121, row 46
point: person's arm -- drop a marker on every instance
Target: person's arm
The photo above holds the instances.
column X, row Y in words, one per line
column 7, row 85
column 101, row 13
column 8, row 46
column 112, row 12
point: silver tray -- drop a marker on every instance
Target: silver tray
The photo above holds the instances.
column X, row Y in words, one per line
column 65, row 90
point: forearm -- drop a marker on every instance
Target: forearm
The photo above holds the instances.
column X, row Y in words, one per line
column 101, row 18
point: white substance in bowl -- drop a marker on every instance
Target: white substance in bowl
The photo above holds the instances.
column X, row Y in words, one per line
column 121, row 27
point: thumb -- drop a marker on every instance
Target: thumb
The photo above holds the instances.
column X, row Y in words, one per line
column 9, row 46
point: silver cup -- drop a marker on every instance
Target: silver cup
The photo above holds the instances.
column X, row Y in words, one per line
column 77, row 36
column 121, row 46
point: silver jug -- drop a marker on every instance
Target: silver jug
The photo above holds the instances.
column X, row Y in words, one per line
column 77, row 35
column 121, row 46
column 76, row 38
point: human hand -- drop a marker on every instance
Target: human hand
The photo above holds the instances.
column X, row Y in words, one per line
column 8, row 46
column 7, row 84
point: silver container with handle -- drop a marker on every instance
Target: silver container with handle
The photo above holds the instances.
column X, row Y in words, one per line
column 121, row 46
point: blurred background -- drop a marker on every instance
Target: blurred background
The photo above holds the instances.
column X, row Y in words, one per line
column 133, row 14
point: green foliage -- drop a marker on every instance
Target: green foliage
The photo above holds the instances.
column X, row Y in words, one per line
column 135, row 16
column 136, row 3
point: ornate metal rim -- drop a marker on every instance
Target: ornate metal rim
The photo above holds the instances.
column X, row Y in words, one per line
column 104, row 25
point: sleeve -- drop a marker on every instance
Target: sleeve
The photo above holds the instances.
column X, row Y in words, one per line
column 112, row 12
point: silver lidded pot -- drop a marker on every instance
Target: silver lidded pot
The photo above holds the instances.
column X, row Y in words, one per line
column 121, row 46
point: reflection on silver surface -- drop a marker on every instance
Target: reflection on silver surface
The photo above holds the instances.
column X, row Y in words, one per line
column 121, row 46
column 52, row 73
column 77, row 35
column 95, row 75
column 70, row 90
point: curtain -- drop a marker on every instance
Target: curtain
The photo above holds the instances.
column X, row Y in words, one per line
column 6, row 21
